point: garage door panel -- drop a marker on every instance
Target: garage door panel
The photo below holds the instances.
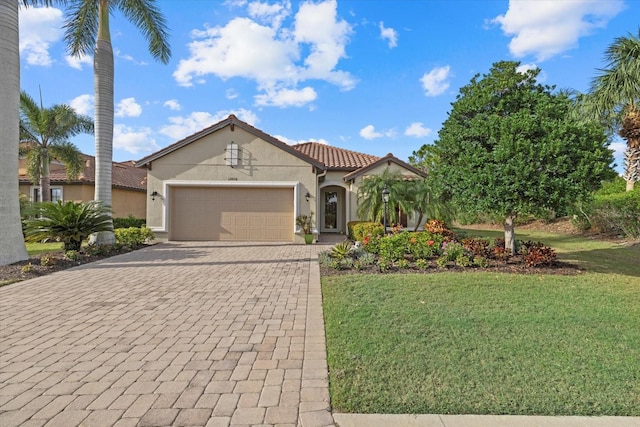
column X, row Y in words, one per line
column 231, row 213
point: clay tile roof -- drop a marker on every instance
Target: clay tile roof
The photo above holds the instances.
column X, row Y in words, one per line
column 334, row 157
column 123, row 174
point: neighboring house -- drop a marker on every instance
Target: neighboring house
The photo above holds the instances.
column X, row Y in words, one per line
column 232, row 181
column 129, row 190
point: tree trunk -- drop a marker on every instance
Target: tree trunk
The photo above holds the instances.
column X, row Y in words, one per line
column 632, row 164
column 45, row 179
column 509, row 234
column 103, row 75
column 12, row 247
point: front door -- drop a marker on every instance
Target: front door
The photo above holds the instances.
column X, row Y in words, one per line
column 331, row 220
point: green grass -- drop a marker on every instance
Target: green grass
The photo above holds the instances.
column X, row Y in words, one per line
column 40, row 248
column 490, row 343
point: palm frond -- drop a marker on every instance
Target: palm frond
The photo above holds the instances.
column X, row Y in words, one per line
column 68, row 153
column 145, row 15
column 81, row 27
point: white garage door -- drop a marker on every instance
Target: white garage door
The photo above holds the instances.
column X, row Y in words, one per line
column 231, row 213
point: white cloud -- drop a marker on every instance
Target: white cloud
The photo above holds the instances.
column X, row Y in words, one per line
column 133, row 140
column 389, row 34
column 418, row 130
column 231, row 94
column 369, row 132
column 182, row 126
column 435, row 82
column 271, row 14
column 272, row 56
column 128, row 107
column 78, row 62
column 545, row 28
column 290, row 141
column 523, row 68
column 172, row 104
column 286, row 97
column 39, row 28
column 83, row 104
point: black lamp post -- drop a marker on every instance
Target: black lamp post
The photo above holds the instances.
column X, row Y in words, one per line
column 385, row 200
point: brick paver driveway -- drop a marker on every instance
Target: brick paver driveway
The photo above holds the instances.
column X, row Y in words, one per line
column 182, row 334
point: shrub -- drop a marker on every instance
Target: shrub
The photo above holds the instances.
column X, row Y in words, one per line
column 436, row 226
column 70, row 222
column 358, row 230
column 367, row 258
column 477, row 246
column 133, row 237
column 463, row 260
column 72, row 255
column 394, row 247
column 424, row 245
column 47, row 260
column 452, row 250
column 481, row 262
column 618, row 214
column 539, row 256
column 128, row 222
column 372, row 243
column 422, row 264
column 98, row 249
column 402, row 263
column 27, row 268
column 324, row 259
column 341, row 250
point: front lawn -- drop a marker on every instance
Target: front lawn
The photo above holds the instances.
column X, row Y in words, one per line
column 489, row 343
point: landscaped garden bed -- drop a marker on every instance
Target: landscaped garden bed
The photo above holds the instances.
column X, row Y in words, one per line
column 435, row 249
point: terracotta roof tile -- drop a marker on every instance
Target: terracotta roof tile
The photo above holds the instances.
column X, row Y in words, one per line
column 123, row 174
column 334, row 157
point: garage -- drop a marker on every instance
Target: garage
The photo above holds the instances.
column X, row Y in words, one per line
column 253, row 214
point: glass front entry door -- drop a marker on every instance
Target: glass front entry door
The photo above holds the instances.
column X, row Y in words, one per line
column 331, row 210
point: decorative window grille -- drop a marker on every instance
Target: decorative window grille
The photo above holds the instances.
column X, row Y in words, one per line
column 233, row 154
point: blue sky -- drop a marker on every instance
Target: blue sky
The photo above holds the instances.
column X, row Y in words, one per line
column 373, row 76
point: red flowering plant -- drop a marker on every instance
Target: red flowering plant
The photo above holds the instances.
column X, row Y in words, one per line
column 426, row 245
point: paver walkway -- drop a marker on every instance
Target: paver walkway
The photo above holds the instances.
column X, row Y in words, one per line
column 188, row 334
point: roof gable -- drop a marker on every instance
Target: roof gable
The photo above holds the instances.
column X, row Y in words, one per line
column 232, row 121
column 389, row 158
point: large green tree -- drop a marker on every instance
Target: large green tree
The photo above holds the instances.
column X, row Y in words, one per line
column 87, row 32
column 44, row 135
column 510, row 148
column 614, row 98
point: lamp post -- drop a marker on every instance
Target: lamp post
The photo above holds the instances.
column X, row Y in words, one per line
column 385, row 200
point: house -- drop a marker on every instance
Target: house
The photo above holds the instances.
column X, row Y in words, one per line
column 232, row 181
column 128, row 193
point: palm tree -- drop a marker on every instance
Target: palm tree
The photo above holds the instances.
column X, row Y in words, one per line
column 614, row 98
column 12, row 247
column 44, row 135
column 87, row 32
column 370, row 204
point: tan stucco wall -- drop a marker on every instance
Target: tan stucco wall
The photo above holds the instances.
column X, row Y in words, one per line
column 124, row 202
column 203, row 162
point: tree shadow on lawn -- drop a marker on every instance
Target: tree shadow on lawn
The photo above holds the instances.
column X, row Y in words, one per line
column 591, row 253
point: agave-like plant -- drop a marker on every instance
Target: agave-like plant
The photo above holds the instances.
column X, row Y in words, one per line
column 69, row 222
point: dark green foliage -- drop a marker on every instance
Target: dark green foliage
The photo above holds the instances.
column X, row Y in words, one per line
column 341, row 250
column 129, row 221
column 612, row 210
column 70, row 222
column 510, row 148
column 133, row 236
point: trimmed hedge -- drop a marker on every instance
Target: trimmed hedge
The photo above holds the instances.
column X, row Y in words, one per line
column 129, row 221
column 133, row 236
column 358, row 230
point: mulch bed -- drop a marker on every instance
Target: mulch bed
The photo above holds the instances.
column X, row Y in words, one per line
column 514, row 264
column 32, row 267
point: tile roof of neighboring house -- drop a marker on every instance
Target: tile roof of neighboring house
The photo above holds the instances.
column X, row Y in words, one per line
column 123, row 174
column 334, row 157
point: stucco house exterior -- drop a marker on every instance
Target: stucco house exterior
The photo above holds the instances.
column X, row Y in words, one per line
column 128, row 192
column 232, row 181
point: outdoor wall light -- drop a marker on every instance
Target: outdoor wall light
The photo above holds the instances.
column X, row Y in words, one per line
column 154, row 195
column 307, row 196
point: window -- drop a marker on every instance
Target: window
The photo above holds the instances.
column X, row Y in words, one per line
column 56, row 194
column 233, row 154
